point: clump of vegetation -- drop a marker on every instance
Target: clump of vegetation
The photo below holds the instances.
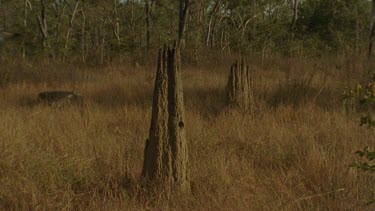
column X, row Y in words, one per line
column 294, row 92
column 361, row 99
column 369, row 156
column 367, row 165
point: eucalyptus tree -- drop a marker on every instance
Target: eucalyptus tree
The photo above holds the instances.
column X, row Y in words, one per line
column 372, row 31
column 333, row 25
column 183, row 18
column 148, row 8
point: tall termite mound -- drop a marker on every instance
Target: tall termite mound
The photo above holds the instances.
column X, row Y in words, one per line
column 166, row 154
column 239, row 90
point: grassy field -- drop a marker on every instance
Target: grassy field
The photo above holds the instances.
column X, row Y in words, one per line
column 291, row 153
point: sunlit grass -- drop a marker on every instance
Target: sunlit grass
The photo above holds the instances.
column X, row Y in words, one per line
column 292, row 153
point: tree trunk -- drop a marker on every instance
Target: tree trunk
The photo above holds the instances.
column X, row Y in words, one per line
column 357, row 38
column 60, row 14
column 166, row 155
column 2, row 7
column 295, row 13
column 212, row 22
column 71, row 24
column 148, row 30
column 83, row 36
column 133, row 24
column 183, row 16
column 372, row 31
column 117, row 23
column 26, row 5
column 42, row 21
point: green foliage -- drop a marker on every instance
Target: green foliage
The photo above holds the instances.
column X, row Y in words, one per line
column 367, row 120
column 361, row 98
column 367, row 165
column 369, row 156
column 104, row 29
column 366, row 97
column 335, row 23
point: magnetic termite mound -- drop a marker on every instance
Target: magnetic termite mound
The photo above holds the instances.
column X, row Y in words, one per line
column 239, row 93
column 166, row 155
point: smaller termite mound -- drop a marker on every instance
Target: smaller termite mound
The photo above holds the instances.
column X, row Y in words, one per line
column 60, row 98
column 166, row 155
column 239, row 92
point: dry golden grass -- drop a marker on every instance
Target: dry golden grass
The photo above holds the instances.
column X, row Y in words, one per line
column 292, row 153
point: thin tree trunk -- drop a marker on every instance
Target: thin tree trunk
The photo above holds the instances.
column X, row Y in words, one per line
column 372, row 31
column 222, row 39
column 183, row 16
column 42, row 20
column 3, row 15
column 295, row 17
column 117, row 24
column 25, row 14
column 148, row 32
column 83, row 37
column 357, row 32
column 102, row 48
column 58, row 24
column 212, row 22
column 209, row 31
column 133, row 27
column 295, row 13
column 71, row 24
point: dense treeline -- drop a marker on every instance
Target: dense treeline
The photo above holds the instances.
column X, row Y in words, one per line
column 99, row 31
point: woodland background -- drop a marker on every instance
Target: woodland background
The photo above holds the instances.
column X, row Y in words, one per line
column 98, row 32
